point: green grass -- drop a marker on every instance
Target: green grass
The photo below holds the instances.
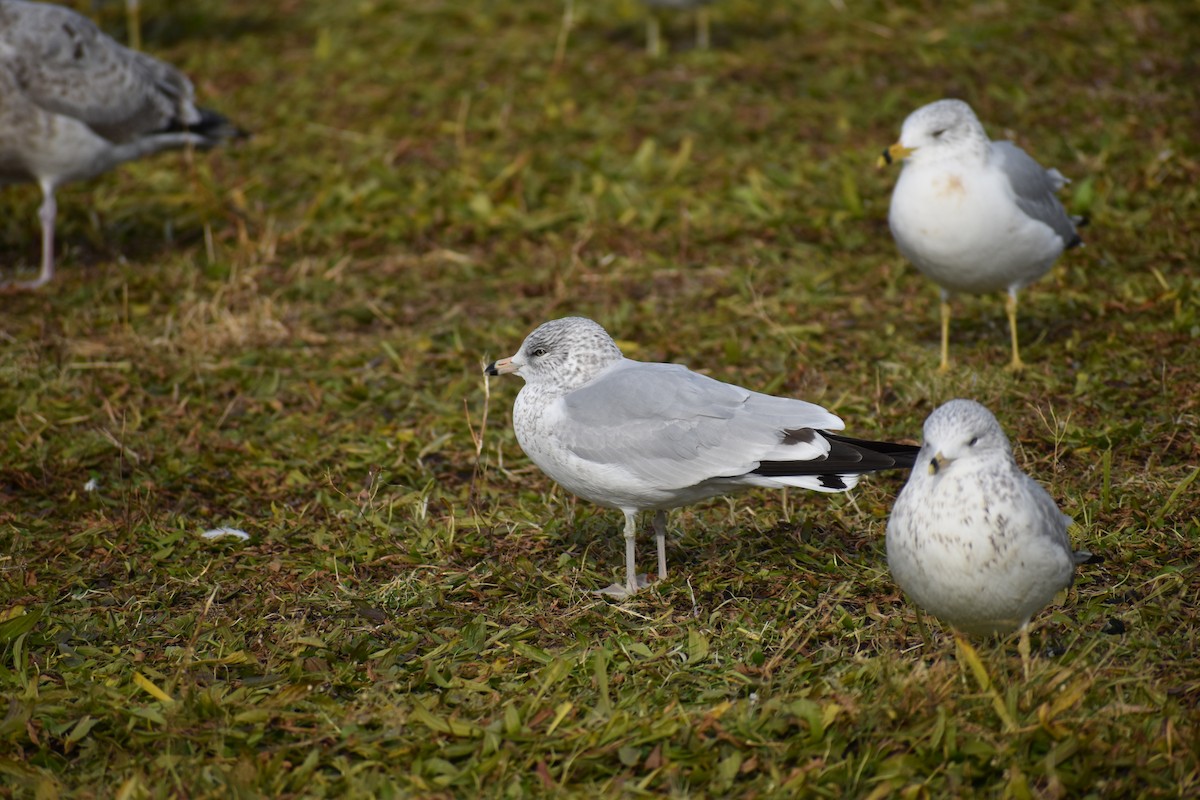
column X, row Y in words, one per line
column 286, row 337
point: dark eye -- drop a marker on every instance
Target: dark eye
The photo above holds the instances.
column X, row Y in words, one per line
column 539, row 351
column 937, row 134
column 973, row 442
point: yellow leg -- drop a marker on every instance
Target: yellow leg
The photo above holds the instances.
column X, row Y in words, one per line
column 945, row 367
column 653, row 36
column 133, row 23
column 564, row 33
column 1010, row 306
column 703, row 37
column 1023, row 649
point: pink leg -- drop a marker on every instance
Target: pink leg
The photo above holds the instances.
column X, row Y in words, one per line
column 46, row 214
column 660, row 534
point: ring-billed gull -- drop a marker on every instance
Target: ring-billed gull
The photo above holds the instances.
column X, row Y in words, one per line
column 74, row 103
column 974, row 215
column 972, row 539
column 640, row 436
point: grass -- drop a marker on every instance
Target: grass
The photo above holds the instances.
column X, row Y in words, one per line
column 286, row 337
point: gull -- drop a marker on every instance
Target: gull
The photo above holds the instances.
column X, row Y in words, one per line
column 654, row 28
column 74, row 103
column 974, row 215
column 640, row 436
column 971, row 538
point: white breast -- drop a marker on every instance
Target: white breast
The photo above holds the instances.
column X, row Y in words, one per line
column 970, row 560
column 962, row 228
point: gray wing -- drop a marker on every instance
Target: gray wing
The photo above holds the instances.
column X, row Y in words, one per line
column 680, row 428
column 1039, row 513
column 1034, row 187
column 66, row 65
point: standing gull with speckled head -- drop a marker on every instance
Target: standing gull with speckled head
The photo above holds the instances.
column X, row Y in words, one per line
column 972, row 539
column 74, row 103
column 974, row 215
column 640, row 436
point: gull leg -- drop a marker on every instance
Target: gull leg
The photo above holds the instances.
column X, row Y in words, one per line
column 564, row 33
column 660, row 535
column 945, row 367
column 703, row 34
column 46, row 214
column 653, row 36
column 1010, row 307
column 633, row 581
column 1023, row 649
column 133, row 23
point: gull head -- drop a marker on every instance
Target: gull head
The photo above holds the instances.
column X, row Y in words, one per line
column 563, row 353
column 943, row 129
column 960, row 431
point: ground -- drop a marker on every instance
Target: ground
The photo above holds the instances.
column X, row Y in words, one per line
column 286, row 337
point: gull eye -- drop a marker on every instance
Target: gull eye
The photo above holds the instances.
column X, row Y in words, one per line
column 538, row 352
column 973, row 442
column 938, row 133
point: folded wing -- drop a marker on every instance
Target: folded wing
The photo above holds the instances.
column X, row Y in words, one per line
column 1034, row 189
column 65, row 65
column 677, row 428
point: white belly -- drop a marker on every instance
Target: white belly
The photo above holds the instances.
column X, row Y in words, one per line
column 609, row 485
column 965, row 231
column 976, row 577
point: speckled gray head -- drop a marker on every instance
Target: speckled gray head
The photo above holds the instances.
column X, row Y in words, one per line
column 941, row 129
column 562, row 354
column 961, row 429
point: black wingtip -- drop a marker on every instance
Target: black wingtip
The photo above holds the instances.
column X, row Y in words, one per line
column 902, row 456
column 218, row 127
column 1077, row 240
column 846, row 457
column 214, row 127
column 834, row 482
